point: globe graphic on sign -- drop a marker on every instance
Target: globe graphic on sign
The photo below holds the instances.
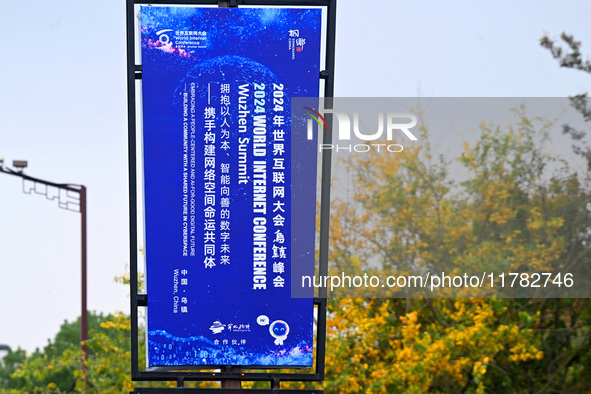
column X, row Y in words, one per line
column 231, row 87
column 209, row 76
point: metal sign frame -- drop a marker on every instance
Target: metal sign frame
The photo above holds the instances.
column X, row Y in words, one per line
column 228, row 373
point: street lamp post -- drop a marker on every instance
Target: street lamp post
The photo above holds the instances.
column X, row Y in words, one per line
column 68, row 202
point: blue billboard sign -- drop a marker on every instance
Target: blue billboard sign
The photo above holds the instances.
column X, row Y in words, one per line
column 229, row 190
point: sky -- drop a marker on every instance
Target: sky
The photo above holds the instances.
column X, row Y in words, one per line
column 63, row 107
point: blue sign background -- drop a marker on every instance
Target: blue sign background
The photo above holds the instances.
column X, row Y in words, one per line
column 220, row 236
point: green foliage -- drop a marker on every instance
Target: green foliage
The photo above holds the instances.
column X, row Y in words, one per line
column 571, row 57
column 56, row 365
column 61, row 366
column 516, row 209
column 10, row 362
column 69, row 334
column 57, row 368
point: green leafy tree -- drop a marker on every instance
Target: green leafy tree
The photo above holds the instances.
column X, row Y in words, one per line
column 61, row 367
column 509, row 214
column 56, row 367
column 63, row 378
column 570, row 56
column 8, row 365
